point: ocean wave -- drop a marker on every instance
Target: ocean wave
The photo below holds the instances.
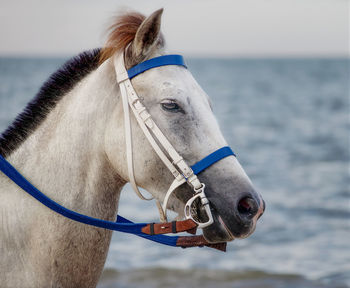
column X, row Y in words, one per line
column 204, row 278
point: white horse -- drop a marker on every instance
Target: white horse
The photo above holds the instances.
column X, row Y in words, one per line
column 70, row 143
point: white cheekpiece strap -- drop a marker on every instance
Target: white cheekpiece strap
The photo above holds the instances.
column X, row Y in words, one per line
column 177, row 183
column 128, row 140
column 177, row 166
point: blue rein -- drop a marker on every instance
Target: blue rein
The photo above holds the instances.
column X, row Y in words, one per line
column 122, row 224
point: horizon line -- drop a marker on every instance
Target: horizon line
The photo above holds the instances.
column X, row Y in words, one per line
column 196, row 56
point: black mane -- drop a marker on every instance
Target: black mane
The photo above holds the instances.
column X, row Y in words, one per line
column 51, row 92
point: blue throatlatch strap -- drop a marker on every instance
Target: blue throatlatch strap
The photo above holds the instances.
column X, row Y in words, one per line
column 212, row 158
column 122, row 224
column 156, row 62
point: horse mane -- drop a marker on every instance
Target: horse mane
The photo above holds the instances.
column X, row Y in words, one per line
column 51, row 92
column 121, row 33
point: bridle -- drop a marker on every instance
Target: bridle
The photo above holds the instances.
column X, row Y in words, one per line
column 178, row 167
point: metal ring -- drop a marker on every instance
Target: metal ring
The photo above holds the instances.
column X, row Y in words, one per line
column 197, row 190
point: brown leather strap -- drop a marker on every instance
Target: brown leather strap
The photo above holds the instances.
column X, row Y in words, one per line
column 170, row 227
column 173, row 227
column 151, row 228
column 194, row 241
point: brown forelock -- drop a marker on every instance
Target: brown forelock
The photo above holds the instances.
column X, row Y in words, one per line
column 121, row 33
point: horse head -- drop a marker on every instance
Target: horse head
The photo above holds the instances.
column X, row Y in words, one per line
column 182, row 111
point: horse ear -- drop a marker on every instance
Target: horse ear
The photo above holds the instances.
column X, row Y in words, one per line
column 146, row 39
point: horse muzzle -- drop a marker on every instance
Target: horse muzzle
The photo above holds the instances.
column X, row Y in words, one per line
column 237, row 222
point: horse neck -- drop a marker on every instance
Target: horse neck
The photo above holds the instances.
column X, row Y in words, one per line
column 65, row 159
column 65, row 156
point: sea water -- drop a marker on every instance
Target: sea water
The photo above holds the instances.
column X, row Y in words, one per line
column 288, row 122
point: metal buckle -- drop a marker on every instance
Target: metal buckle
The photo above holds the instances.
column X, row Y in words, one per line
column 199, row 193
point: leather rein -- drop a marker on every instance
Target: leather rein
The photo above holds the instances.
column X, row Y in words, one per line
column 182, row 172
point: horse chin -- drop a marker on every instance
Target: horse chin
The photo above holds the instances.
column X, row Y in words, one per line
column 217, row 232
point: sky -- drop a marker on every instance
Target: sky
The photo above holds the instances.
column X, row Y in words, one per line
column 203, row 28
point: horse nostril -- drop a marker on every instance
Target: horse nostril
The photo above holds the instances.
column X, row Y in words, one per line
column 247, row 207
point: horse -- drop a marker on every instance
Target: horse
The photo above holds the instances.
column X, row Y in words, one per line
column 70, row 142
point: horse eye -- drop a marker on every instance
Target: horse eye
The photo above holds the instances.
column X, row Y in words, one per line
column 171, row 106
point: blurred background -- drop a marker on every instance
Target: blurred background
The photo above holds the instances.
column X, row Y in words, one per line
column 277, row 72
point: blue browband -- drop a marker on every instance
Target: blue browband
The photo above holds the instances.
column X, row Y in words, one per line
column 122, row 224
column 156, row 62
